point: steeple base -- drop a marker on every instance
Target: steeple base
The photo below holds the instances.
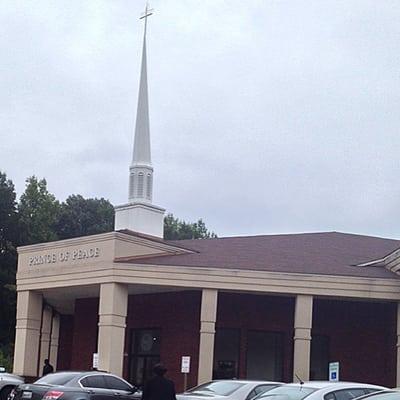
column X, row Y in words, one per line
column 140, row 217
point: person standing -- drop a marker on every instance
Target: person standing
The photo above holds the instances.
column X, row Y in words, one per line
column 47, row 368
column 159, row 387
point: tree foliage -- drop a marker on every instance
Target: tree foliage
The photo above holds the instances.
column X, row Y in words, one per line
column 176, row 229
column 8, row 260
column 38, row 211
column 80, row 217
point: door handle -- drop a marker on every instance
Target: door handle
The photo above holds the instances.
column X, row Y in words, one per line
column 117, row 394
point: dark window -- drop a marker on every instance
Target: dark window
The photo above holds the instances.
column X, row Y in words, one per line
column 259, row 389
column 116, row 383
column 94, row 381
column 345, row 394
column 251, row 395
column 264, row 355
column 319, row 365
column 226, row 354
column 144, row 354
column 263, row 388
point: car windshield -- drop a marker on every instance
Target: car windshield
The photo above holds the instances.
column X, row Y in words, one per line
column 220, row 388
column 286, row 392
column 56, row 379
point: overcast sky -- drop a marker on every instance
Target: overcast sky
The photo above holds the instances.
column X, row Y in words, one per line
column 267, row 116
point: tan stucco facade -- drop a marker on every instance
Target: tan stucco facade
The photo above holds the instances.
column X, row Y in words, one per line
column 51, row 276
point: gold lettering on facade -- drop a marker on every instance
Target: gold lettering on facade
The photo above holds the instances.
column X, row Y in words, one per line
column 64, row 256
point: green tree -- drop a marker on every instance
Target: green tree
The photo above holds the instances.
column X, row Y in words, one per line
column 38, row 211
column 176, row 229
column 8, row 260
column 80, row 217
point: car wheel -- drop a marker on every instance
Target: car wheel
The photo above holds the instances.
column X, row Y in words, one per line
column 5, row 392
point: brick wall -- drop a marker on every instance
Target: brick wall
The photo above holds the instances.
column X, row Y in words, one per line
column 65, row 342
column 257, row 312
column 84, row 341
column 362, row 337
column 177, row 314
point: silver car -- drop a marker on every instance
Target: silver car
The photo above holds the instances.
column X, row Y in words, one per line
column 7, row 383
column 228, row 390
column 319, row 390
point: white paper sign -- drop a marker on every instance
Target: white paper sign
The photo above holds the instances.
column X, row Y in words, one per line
column 334, row 372
column 95, row 362
column 185, row 365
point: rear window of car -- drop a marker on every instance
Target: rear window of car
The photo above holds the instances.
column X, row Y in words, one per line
column 221, row 388
column 287, row 393
column 59, row 379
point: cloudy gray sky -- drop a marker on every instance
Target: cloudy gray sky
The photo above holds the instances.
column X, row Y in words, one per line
column 267, row 116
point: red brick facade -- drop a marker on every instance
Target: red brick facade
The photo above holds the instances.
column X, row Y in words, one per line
column 362, row 336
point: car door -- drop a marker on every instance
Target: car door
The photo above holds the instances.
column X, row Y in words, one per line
column 96, row 387
column 121, row 389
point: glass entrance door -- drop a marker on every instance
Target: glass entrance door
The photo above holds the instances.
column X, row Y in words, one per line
column 264, row 355
column 144, row 354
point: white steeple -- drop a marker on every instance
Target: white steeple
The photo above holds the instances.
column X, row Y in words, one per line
column 139, row 214
column 141, row 170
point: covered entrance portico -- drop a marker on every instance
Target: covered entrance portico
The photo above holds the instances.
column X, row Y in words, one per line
column 245, row 324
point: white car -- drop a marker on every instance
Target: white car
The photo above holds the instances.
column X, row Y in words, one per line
column 228, row 390
column 7, row 383
column 319, row 390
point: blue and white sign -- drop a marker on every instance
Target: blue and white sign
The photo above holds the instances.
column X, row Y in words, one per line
column 333, row 372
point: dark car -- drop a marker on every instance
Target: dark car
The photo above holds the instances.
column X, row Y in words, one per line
column 93, row 385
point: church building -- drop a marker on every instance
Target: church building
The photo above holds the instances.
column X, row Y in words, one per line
column 271, row 307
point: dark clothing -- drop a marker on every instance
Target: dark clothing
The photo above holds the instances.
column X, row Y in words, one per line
column 47, row 369
column 159, row 388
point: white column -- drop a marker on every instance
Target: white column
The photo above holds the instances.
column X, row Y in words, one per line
column 55, row 332
column 45, row 331
column 302, row 337
column 208, row 317
column 398, row 347
column 27, row 333
column 112, row 322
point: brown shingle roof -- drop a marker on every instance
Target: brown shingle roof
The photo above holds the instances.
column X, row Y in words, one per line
column 331, row 253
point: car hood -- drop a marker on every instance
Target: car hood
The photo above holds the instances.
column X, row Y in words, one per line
column 6, row 376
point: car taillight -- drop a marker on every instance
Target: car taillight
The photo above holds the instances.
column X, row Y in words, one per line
column 52, row 395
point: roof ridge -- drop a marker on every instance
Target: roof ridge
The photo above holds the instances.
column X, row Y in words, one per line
column 286, row 234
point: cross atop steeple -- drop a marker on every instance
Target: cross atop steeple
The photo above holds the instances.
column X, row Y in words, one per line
column 147, row 12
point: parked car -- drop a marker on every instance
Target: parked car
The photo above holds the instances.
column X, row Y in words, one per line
column 93, row 385
column 228, row 390
column 7, row 383
column 393, row 394
column 319, row 390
